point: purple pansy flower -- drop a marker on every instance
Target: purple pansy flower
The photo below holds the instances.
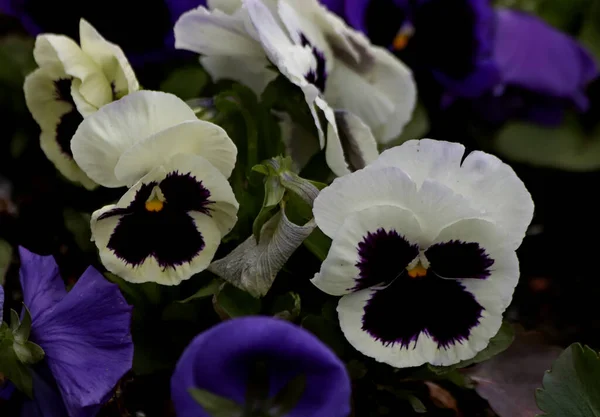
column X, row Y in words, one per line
column 221, row 359
column 143, row 28
column 84, row 333
column 453, row 41
column 543, row 71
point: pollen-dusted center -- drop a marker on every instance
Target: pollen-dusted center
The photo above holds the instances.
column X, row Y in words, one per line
column 417, row 271
column 156, row 201
column 403, row 36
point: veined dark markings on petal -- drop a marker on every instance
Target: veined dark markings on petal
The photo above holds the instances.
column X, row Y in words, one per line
column 69, row 122
column 442, row 309
column 169, row 234
column 317, row 76
column 383, row 256
column 361, row 64
column 456, row 259
column 350, row 148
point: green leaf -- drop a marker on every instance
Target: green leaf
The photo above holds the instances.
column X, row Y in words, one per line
column 498, row 344
column 10, row 365
column 6, row 254
column 28, row 353
column 590, row 31
column 216, row 405
column 257, row 387
column 416, row 128
column 237, row 303
column 185, row 82
column 287, row 306
column 570, row 389
column 356, row 369
column 23, row 331
column 288, row 397
column 567, row 147
column 327, row 331
column 210, row 289
column 78, row 224
column 318, row 243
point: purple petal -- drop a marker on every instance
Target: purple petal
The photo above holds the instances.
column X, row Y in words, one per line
column 1, row 302
column 219, row 359
column 42, row 285
column 534, row 56
column 46, row 401
column 87, row 342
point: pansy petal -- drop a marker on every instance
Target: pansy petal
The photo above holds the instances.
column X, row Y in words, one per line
column 227, row 6
column 105, row 135
column 41, row 283
column 372, row 246
column 87, row 342
column 56, row 51
column 49, row 100
column 110, row 58
column 196, row 137
column 215, row 33
column 1, row 300
column 351, row 146
column 220, row 360
column 255, row 73
column 171, row 243
column 490, row 186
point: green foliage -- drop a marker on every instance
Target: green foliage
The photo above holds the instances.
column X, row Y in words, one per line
column 572, row 387
column 287, row 306
column 186, row 82
column 236, row 303
column 216, row 405
column 327, row 330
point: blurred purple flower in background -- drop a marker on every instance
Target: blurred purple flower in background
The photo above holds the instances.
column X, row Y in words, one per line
column 221, row 361
column 514, row 64
column 143, row 28
column 84, row 333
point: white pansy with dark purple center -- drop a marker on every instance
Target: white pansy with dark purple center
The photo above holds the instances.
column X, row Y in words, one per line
column 72, row 82
column 423, row 251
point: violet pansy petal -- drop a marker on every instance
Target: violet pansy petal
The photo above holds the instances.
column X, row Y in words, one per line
column 87, row 341
column 534, row 56
column 1, row 302
column 46, row 401
column 219, row 361
column 42, row 285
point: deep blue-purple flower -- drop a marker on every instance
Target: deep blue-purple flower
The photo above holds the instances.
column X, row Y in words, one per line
column 221, row 361
column 450, row 40
column 542, row 72
column 143, row 28
column 84, row 333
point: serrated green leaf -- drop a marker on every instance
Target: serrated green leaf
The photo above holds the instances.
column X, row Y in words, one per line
column 571, row 388
column 28, row 353
column 236, row 302
column 216, row 405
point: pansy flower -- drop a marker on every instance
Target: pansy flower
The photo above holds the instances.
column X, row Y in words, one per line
column 223, row 361
column 317, row 52
column 168, row 225
column 451, row 40
column 144, row 40
column 542, row 72
column 423, row 251
column 85, row 335
column 72, row 82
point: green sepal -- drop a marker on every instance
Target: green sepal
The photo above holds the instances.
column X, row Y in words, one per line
column 216, row 405
column 288, row 397
column 10, row 365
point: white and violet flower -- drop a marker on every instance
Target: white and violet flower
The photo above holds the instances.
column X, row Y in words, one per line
column 72, row 82
column 335, row 66
column 423, row 251
column 169, row 224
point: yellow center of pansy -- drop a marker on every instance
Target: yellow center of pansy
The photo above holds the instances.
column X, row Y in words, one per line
column 403, row 37
column 417, row 271
column 156, row 201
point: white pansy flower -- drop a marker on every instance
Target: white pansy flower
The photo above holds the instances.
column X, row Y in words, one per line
column 334, row 65
column 73, row 81
column 423, row 251
column 169, row 224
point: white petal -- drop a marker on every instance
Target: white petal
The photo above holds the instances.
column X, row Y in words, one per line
column 195, row 137
column 227, row 6
column 294, row 61
column 215, row 33
column 110, row 58
column 351, row 146
column 221, row 218
column 250, row 71
column 339, row 270
column 104, row 136
column 54, row 51
column 47, row 110
column 489, row 185
column 425, row 350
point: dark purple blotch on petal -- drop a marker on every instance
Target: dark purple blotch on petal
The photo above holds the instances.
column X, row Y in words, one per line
column 69, row 122
column 456, row 259
column 169, row 235
column 442, row 309
column 221, row 359
column 317, row 76
column 383, row 256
